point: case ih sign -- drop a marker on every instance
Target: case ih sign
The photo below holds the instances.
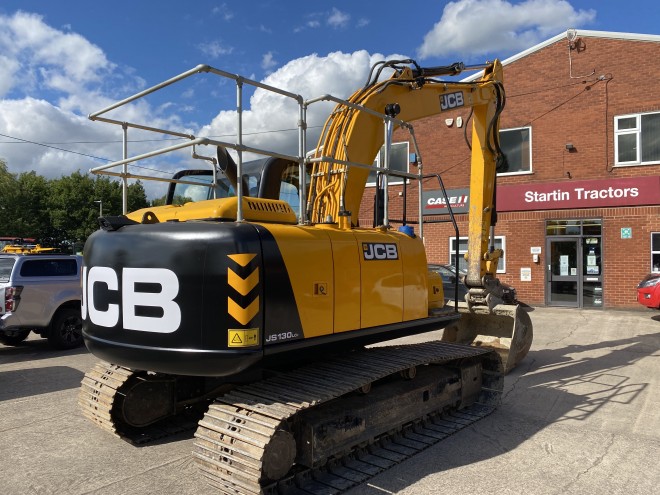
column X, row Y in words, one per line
column 435, row 204
column 569, row 194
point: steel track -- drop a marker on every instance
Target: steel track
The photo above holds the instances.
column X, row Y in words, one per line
column 233, row 440
column 233, row 437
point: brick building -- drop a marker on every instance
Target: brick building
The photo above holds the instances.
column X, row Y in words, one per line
column 579, row 208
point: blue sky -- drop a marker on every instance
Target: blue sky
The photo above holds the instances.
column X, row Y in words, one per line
column 62, row 60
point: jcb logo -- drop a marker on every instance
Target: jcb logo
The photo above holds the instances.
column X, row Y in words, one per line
column 451, row 100
column 380, row 251
column 160, row 302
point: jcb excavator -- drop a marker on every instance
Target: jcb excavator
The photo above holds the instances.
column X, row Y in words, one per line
column 258, row 312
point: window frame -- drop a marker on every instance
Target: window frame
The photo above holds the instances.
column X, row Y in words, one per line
column 657, row 253
column 637, row 132
column 501, row 266
column 531, row 165
column 393, row 180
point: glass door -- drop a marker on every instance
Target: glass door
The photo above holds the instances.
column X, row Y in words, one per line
column 563, row 283
column 592, row 273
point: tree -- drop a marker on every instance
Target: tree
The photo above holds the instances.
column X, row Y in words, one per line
column 7, row 186
column 137, row 196
column 30, row 205
column 73, row 214
column 60, row 212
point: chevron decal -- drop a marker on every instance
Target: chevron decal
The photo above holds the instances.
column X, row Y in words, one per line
column 241, row 314
column 243, row 285
column 243, row 280
column 242, row 259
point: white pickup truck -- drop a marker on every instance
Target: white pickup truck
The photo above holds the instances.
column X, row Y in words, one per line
column 40, row 293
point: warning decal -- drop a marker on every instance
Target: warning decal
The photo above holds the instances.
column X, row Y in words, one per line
column 247, row 337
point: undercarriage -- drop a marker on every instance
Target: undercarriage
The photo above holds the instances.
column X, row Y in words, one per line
column 304, row 427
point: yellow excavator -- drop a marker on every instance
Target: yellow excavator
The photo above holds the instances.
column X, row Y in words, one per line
column 254, row 315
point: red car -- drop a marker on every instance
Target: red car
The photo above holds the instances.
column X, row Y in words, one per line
column 648, row 291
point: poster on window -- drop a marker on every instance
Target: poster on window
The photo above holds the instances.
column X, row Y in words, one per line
column 563, row 265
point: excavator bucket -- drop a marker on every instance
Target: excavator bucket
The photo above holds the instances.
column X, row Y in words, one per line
column 507, row 330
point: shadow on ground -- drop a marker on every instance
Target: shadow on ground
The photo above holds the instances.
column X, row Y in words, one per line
column 563, row 384
column 15, row 384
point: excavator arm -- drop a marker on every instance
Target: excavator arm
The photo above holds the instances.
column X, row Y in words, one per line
column 352, row 134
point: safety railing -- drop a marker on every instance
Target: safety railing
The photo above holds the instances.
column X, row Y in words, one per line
column 192, row 141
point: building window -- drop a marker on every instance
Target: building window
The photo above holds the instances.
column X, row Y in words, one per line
column 517, row 146
column 637, row 139
column 399, row 161
column 462, row 249
column 655, row 252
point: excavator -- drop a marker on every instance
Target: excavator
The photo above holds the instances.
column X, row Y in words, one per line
column 260, row 310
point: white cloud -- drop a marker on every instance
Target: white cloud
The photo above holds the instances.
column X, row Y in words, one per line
column 89, row 82
column 339, row 74
column 479, row 27
column 40, row 121
column 37, row 59
column 362, row 22
column 37, row 56
column 338, row 19
column 215, row 49
column 223, row 11
column 268, row 61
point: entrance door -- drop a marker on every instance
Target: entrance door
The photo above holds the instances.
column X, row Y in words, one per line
column 563, row 272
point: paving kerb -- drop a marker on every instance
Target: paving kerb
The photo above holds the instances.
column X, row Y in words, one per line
column 579, row 416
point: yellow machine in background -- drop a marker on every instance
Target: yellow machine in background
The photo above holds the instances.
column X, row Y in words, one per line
column 264, row 295
column 26, row 249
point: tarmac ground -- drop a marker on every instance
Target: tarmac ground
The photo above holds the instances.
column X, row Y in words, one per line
column 580, row 415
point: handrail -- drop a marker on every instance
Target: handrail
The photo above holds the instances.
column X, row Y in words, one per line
column 190, row 140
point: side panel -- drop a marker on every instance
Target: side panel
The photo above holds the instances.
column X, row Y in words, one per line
column 381, row 270
column 346, row 258
column 307, row 254
column 415, row 278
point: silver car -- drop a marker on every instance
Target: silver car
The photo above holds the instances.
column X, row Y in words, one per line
column 40, row 293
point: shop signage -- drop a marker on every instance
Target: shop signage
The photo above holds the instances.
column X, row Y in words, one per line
column 633, row 191
column 434, row 201
column 569, row 194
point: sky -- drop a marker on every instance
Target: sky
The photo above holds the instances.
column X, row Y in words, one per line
column 61, row 61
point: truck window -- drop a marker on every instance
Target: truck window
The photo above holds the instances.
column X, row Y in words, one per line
column 49, row 268
column 6, row 265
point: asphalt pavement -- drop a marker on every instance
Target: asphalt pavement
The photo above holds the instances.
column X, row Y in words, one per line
column 580, row 415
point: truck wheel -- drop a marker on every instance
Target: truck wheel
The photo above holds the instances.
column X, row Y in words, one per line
column 66, row 329
column 15, row 338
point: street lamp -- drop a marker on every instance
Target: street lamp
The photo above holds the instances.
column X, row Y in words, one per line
column 100, row 202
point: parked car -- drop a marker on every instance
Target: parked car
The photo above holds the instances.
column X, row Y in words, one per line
column 648, row 291
column 40, row 293
column 448, row 274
